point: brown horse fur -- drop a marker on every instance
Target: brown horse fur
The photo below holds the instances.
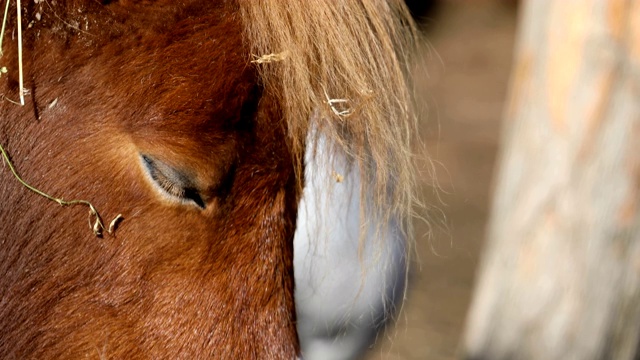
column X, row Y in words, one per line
column 107, row 83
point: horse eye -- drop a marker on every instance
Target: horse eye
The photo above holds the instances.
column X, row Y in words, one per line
column 172, row 182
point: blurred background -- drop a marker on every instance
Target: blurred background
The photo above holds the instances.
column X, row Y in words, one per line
column 462, row 90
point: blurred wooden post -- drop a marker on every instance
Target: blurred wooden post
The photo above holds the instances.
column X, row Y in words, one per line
column 560, row 277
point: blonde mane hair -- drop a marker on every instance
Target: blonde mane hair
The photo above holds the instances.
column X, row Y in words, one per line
column 340, row 69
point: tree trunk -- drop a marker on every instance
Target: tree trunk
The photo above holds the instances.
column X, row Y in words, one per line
column 560, row 277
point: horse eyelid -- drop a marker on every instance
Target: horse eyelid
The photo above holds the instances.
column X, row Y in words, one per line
column 172, row 182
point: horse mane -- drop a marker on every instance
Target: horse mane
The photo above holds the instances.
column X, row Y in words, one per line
column 340, row 70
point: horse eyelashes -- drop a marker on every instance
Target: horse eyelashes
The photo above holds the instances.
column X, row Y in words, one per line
column 172, row 182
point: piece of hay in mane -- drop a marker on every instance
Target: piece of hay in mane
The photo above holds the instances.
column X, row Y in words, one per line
column 268, row 58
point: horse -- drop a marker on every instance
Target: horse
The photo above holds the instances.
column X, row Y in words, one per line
column 188, row 123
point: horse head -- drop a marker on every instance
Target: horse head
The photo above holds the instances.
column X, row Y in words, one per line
column 157, row 111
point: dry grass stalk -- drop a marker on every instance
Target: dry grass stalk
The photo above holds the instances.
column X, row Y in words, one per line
column 269, row 58
column 20, row 77
column 95, row 221
column 4, row 25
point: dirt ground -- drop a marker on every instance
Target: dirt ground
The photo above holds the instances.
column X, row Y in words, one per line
column 463, row 90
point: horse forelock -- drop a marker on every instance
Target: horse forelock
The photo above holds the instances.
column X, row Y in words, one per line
column 340, row 70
